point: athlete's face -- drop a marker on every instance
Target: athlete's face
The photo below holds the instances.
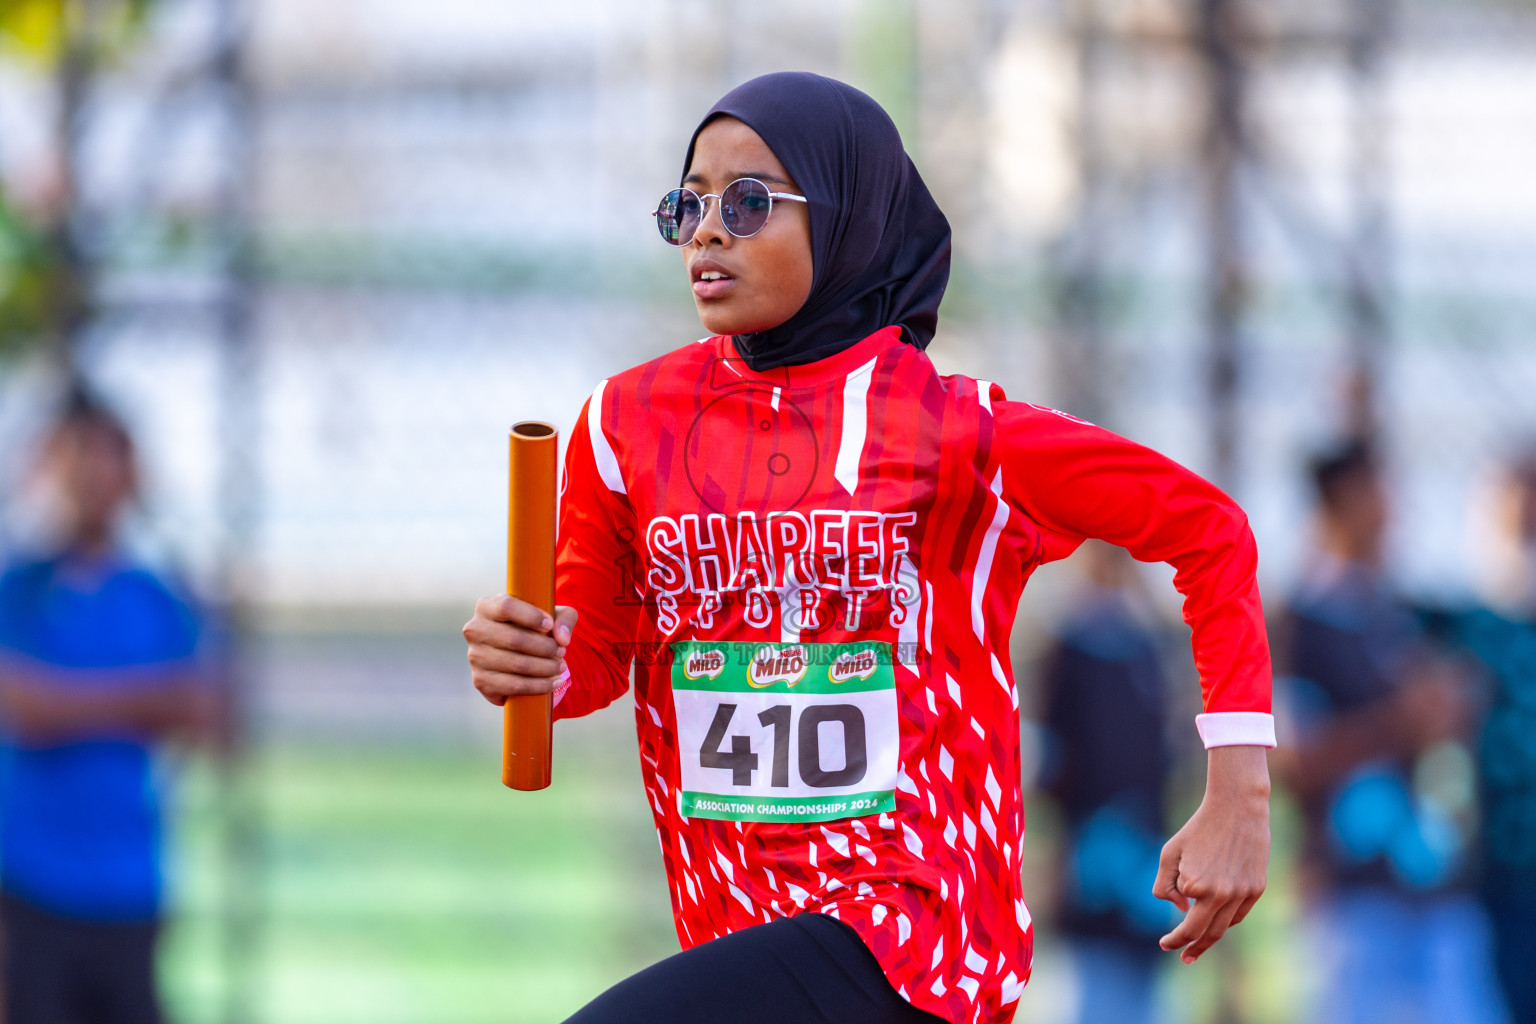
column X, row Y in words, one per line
column 756, row 282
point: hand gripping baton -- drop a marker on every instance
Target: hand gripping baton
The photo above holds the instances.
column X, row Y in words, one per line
column 527, row 724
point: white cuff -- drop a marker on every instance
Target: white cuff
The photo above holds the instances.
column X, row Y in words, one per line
column 1236, row 729
column 561, row 685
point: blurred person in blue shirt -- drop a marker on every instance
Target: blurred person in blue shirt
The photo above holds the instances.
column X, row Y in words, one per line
column 1377, row 718
column 1502, row 638
column 1107, row 766
column 98, row 664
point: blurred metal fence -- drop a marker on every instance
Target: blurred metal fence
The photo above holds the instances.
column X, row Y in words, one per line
column 348, row 248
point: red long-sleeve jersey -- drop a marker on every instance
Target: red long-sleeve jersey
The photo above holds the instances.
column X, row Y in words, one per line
column 813, row 572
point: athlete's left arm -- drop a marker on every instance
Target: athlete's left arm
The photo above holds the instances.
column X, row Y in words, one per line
column 1076, row 481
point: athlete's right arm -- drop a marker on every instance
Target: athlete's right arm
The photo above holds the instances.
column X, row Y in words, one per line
column 516, row 648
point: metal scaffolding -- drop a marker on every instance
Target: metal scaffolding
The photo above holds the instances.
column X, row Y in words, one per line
column 1229, row 41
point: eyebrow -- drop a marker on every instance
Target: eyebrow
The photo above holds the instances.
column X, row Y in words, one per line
column 762, row 176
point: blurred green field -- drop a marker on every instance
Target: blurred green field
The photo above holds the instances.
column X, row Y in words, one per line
column 405, row 884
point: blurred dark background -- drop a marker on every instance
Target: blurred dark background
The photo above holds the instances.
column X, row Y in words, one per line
column 318, row 256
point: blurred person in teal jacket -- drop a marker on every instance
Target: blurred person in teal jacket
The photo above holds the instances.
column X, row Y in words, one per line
column 1107, row 763
column 1501, row 636
column 1376, row 715
column 98, row 665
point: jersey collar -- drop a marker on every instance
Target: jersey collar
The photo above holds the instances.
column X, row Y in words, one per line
column 807, row 375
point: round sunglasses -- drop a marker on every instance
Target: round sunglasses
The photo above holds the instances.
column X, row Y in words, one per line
column 744, row 208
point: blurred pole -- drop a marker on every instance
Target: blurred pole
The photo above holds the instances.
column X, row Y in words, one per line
column 71, row 282
column 880, row 54
column 1218, row 34
column 239, row 495
column 954, row 44
column 1081, row 301
column 1369, row 262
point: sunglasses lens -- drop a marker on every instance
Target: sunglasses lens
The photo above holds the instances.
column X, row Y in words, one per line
column 744, row 206
column 677, row 216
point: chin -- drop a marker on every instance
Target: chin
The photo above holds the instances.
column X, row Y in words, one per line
column 719, row 321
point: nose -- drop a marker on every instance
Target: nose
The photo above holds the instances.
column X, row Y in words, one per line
column 711, row 227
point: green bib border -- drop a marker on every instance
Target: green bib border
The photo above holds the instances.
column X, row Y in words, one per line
column 787, row 809
column 733, row 674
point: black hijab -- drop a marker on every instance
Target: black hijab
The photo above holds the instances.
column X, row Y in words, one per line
column 879, row 243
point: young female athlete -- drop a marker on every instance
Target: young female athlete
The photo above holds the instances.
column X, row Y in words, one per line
column 809, row 547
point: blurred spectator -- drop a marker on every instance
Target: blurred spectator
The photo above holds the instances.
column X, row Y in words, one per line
column 1373, row 711
column 1503, row 639
column 97, row 665
column 1107, row 766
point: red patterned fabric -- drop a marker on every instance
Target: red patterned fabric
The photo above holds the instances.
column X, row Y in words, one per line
column 930, row 500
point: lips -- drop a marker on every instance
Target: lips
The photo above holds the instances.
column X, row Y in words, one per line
column 710, row 279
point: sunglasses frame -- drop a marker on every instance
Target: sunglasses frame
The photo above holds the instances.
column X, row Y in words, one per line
column 704, row 209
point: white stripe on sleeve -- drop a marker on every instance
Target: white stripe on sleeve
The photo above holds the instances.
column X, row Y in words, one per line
column 602, row 451
column 988, row 549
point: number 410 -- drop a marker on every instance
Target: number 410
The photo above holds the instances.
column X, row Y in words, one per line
column 741, row 761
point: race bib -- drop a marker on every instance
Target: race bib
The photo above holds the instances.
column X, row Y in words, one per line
column 785, row 732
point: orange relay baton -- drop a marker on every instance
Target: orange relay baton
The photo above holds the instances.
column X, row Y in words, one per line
column 527, row 725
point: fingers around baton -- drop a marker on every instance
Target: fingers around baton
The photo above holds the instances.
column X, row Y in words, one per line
column 565, row 623
column 496, row 687
column 505, row 637
column 514, row 610
column 485, row 658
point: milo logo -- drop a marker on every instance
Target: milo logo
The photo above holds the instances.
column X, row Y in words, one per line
column 772, row 664
column 852, row 665
column 709, row 662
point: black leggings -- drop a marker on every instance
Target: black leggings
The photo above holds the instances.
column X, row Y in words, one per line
column 809, row 968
